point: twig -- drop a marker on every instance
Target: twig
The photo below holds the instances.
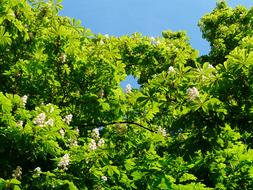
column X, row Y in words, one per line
column 119, row 122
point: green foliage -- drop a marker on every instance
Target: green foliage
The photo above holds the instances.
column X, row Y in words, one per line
column 187, row 127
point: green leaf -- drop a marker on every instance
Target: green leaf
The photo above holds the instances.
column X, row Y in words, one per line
column 137, row 175
column 129, row 164
column 4, row 37
column 187, row 177
column 15, row 181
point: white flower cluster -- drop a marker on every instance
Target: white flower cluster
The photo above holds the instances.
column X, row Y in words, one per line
column 20, row 123
column 50, row 122
column 40, row 119
column 62, row 132
column 24, row 100
column 93, row 145
column 63, row 57
column 193, row 93
column 98, row 142
column 77, row 130
column 95, row 133
column 162, row 131
column 101, row 93
column 17, row 173
column 101, row 142
column 64, row 162
column 128, row 88
column 68, row 118
column 154, row 41
column 37, row 171
column 51, row 108
column 104, row 178
column 210, row 66
column 73, row 142
column 171, row 70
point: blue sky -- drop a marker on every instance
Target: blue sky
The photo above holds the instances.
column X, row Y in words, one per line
column 149, row 17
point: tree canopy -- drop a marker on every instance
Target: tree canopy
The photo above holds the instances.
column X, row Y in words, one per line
column 66, row 123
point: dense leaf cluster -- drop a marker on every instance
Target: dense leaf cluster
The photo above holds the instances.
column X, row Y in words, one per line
column 66, row 123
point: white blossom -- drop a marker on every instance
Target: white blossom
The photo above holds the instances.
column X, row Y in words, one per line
column 95, row 133
column 68, row 118
column 62, row 132
column 63, row 57
column 210, row 66
column 208, row 31
column 107, row 36
column 50, row 122
column 101, row 42
column 154, row 41
column 51, row 107
column 101, row 142
column 104, row 178
column 101, row 93
column 74, row 143
column 192, row 93
column 93, row 145
column 40, row 119
column 162, row 131
column 20, row 123
column 51, row 110
column 17, row 173
column 65, row 160
column 128, row 88
column 37, row 171
column 171, row 70
column 77, row 130
column 24, row 100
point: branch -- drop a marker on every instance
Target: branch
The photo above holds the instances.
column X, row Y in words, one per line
column 119, row 122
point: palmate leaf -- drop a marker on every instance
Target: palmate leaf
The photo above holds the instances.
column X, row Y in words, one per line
column 4, row 37
column 187, row 177
column 137, row 175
